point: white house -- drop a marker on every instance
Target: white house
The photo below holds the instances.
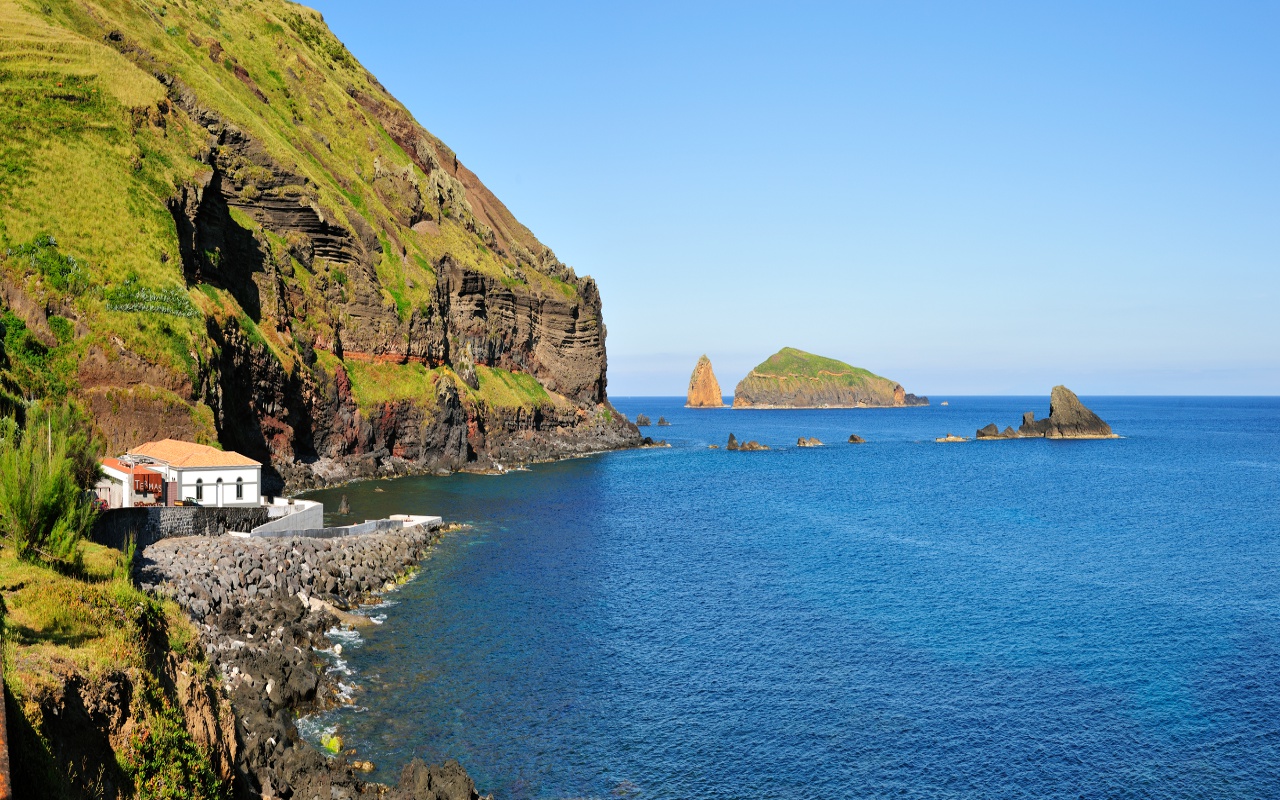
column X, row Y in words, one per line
column 206, row 475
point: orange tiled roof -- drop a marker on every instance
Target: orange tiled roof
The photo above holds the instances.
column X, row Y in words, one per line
column 116, row 464
column 189, row 454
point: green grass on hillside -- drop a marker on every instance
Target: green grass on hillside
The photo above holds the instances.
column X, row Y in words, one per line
column 501, row 388
column 376, row 384
column 790, row 362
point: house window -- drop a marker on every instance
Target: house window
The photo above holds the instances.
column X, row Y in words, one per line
column 199, row 488
column 239, row 488
column 218, row 498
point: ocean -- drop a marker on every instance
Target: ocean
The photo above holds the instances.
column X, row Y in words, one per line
column 901, row 618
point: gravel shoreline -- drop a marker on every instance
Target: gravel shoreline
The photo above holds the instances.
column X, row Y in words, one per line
column 262, row 606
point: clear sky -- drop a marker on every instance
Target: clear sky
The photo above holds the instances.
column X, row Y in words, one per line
column 970, row 198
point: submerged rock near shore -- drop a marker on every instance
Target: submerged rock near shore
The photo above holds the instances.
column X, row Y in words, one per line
column 792, row 378
column 704, row 389
column 1068, row 419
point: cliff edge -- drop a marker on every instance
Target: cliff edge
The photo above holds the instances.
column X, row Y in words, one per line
column 792, row 378
column 704, row 389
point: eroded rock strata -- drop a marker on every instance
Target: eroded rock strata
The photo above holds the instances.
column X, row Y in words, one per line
column 262, row 606
column 793, row 378
column 704, row 389
column 1068, row 419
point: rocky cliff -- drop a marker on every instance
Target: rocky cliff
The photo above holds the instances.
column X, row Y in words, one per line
column 1068, row 419
column 217, row 225
column 793, row 378
column 704, row 389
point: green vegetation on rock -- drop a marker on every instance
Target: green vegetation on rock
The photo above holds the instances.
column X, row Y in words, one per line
column 792, row 378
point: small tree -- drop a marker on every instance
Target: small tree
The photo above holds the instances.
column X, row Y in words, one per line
column 45, row 470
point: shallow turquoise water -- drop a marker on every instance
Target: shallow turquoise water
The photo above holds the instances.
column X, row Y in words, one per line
column 900, row 618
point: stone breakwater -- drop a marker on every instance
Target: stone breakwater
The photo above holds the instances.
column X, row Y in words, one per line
column 262, row 607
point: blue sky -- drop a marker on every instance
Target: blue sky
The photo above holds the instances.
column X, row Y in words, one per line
column 971, row 198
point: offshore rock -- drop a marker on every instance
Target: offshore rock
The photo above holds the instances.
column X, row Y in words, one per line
column 792, row 378
column 1068, row 419
column 812, row 441
column 704, row 389
column 733, row 443
column 752, row 446
column 662, row 422
column 642, row 421
column 856, row 439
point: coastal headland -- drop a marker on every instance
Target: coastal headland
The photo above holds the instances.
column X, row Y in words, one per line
column 240, row 237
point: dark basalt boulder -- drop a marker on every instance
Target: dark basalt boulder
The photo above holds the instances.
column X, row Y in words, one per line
column 856, row 439
column 642, row 421
column 447, row 782
column 989, row 432
column 1068, row 419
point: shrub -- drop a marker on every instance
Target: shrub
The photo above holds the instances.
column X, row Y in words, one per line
column 45, row 469
column 61, row 327
column 133, row 296
column 42, row 256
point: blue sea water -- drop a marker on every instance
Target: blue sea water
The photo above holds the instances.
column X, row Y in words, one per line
column 902, row 618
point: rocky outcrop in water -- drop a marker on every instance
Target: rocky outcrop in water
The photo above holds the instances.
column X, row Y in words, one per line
column 262, row 606
column 793, row 378
column 704, row 389
column 1068, row 419
column 662, row 422
column 749, row 446
column 856, row 439
column 812, row 441
column 642, row 421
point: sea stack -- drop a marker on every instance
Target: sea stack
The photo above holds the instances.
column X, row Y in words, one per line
column 704, row 389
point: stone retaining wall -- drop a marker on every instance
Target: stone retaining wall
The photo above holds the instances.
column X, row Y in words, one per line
column 150, row 525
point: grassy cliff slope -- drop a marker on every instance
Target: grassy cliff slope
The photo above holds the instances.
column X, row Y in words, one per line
column 210, row 212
